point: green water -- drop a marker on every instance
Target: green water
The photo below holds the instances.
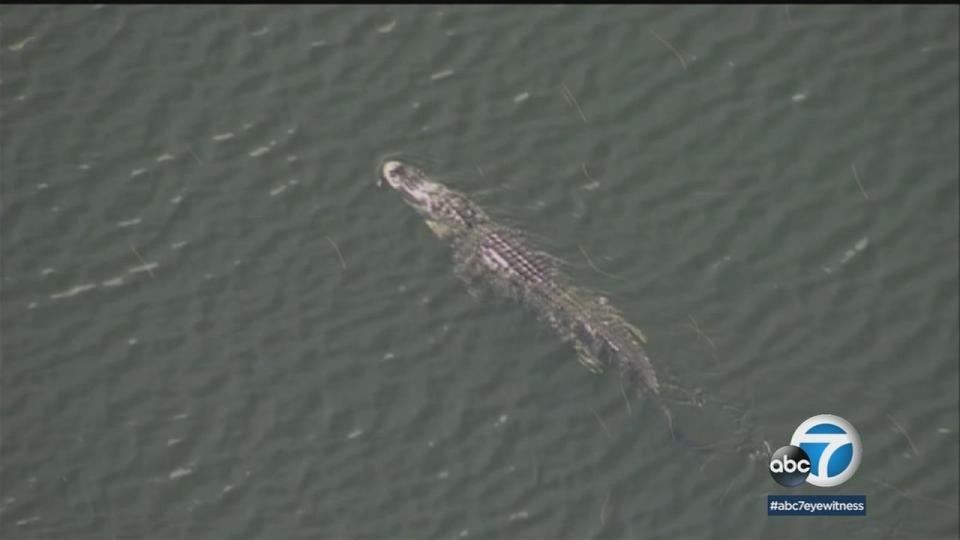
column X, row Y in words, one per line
column 214, row 325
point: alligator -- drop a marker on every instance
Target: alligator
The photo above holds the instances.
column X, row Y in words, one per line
column 598, row 331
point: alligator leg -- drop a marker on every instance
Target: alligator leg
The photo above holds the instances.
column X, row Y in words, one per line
column 636, row 333
column 586, row 358
column 471, row 281
column 440, row 230
column 474, row 287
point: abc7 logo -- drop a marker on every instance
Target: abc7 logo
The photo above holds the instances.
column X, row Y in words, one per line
column 790, row 466
column 825, row 451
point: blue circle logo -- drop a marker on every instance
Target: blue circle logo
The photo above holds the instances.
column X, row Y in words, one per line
column 833, row 447
column 789, row 466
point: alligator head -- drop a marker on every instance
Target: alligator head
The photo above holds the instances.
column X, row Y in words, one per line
column 445, row 209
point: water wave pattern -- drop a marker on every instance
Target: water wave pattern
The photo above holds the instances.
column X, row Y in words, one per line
column 214, row 325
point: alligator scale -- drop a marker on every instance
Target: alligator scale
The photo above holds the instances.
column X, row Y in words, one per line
column 502, row 256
